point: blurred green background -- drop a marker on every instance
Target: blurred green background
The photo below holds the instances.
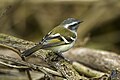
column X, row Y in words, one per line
column 32, row 19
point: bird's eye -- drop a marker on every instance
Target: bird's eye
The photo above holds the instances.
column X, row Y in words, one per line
column 73, row 26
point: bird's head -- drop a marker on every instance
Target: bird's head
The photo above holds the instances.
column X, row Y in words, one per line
column 71, row 24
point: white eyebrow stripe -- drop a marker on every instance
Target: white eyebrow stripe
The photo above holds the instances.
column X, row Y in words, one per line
column 67, row 25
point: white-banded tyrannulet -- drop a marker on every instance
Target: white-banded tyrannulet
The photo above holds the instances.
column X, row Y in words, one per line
column 60, row 39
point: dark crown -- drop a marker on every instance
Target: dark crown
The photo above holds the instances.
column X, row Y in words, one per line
column 70, row 20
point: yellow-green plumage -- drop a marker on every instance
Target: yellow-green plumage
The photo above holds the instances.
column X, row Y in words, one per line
column 63, row 31
column 56, row 44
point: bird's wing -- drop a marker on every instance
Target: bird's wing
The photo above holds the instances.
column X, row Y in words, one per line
column 52, row 40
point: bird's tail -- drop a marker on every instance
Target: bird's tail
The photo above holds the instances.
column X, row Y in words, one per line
column 31, row 50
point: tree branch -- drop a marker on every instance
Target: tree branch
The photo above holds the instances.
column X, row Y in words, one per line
column 61, row 65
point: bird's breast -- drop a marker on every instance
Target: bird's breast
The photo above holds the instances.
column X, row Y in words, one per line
column 62, row 48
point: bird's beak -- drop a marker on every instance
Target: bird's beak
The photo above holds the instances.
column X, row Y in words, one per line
column 80, row 22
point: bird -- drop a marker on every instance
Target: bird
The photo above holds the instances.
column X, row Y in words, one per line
column 60, row 39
